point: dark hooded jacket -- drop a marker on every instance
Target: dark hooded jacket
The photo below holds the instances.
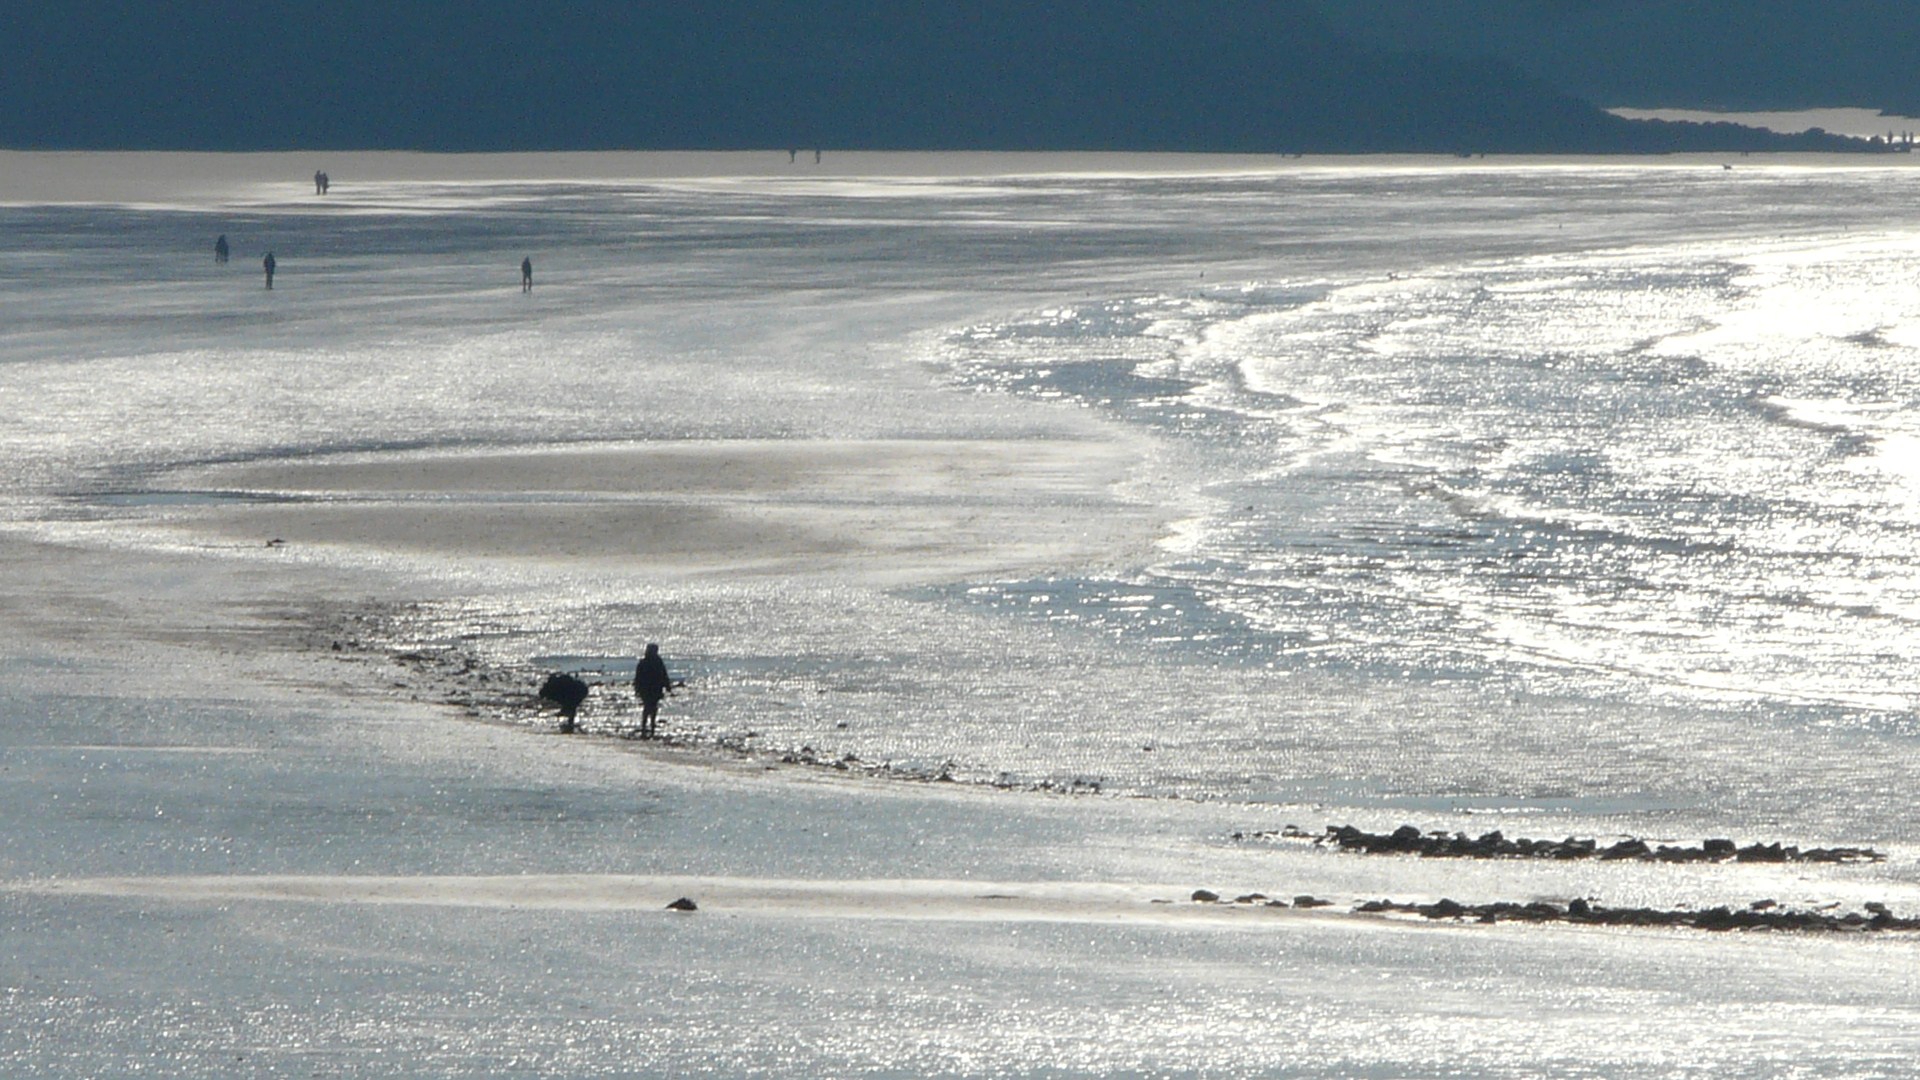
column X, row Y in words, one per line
column 650, row 680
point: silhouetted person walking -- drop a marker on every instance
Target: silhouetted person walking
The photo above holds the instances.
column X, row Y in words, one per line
column 319, row 182
column 220, row 249
column 650, row 684
column 325, row 183
column 526, row 275
column 267, row 264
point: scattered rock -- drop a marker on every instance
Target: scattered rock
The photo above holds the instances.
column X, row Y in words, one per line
column 1768, row 853
column 1627, row 849
column 683, row 904
column 1305, row 901
column 1205, row 896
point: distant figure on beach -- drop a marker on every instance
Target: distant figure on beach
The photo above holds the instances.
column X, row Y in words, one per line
column 526, row 274
column 267, row 264
column 816, row 157
column 650, row 684
column 220, row 249
column 793, row 156
column 319, row 182
column 325, row 183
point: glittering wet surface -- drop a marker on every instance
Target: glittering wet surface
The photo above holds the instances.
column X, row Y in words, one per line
column 1559, row 500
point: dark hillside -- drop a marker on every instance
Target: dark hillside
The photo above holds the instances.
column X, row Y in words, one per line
column 1247, row 75
column 1703, row 54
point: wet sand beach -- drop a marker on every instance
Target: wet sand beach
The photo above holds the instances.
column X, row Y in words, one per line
column 1029, row 531
column 879, row 511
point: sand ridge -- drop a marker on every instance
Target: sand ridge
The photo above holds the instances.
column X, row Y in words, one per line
column 927, row 899
column 882, row 511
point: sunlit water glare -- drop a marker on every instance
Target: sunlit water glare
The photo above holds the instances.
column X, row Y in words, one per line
column 1585, row 490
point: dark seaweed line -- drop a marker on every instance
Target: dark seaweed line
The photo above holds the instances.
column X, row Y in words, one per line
column 1439, row 844
column 1761, row 915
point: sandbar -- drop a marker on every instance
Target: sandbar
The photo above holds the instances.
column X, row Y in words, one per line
column 880, row 511
column 892, row 898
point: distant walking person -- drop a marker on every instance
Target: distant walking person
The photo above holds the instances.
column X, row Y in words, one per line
column 325, row 183
column 650, row 684
column 526, row 274
column 220, row 249
column 267, row 264
column 319, row 182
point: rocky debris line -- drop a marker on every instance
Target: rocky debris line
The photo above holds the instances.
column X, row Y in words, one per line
column 418, row 652
column 1072, row 785
column 384, row 638
column 1439, row 844
column 413, row 651
column 946, row 772
column 1760, row 915
column 807, row 755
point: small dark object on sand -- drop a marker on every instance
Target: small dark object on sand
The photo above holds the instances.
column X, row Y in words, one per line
column 1205, row 896
column 567, row 692
column 683, row 904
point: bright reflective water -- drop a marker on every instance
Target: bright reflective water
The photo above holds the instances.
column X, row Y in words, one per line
column 1549, row 498
column 1577, row 489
